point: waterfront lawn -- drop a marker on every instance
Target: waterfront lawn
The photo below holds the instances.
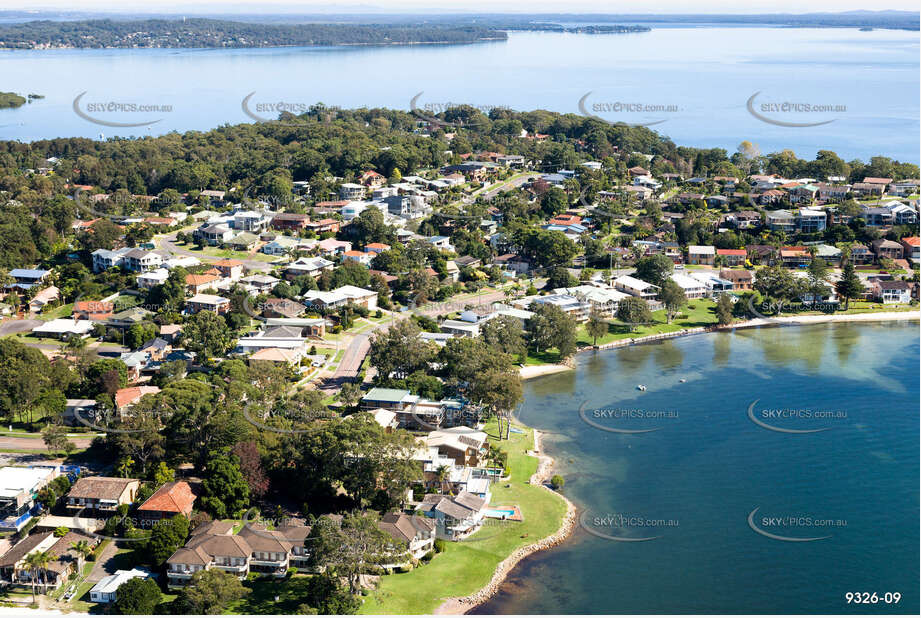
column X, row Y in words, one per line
column 465, row 567
column 697, row 313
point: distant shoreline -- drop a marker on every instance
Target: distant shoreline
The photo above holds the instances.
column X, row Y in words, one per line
column 535, row 371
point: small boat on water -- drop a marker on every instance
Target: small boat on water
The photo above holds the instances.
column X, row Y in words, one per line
column 682, row 380
column 640, row 387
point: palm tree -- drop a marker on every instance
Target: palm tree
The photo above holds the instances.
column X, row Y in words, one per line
column 82, row 547
column 442, row 473
column 38, row 563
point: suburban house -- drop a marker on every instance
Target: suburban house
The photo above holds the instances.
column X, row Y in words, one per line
column 741, row 279
column 861, row 254
column 456, row 517
column 26, row 278
column 96, row 310
column 793, row 257
column 229, row 269
column 393, row 399
column 911, row 248
column 127, row 397
column 105, row 590
column 225, row 551
column 342, row 296
column 290, row 221
column 636, row 287
column 891, row 292
column 196, row 284
column 414, row 535
column 361, row 257
column 464, row 445
column 68, row 561
column 253, row 549
column 208, row 302
column 152, row 278
column 281, row 245
column 282, row 308
column 312, row 266
column 691, row 287
column 351, row 191
column 780, row 221
column 170, row 499
column 732, row 257
column 250, row 221
column 887, row 249
column 102, row 493
column 701, row 254
column 18, row 489
column 810, row 221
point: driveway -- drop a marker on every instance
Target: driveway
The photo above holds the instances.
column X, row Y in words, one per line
column 11, row 327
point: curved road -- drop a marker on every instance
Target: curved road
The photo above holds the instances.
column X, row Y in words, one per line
column 168, row 243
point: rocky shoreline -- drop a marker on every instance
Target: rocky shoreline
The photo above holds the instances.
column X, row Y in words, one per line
column 462, row 605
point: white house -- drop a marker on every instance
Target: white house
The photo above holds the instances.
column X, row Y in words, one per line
column 636, row 287
column 104, row 591
column 153, row 278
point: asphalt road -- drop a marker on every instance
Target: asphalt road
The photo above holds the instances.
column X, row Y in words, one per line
column 358, row 348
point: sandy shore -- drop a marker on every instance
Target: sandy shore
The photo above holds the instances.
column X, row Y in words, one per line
column 462, row 605
column 534, row 371
column 881, row 316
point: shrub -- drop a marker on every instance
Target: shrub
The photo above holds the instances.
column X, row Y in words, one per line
column 557, row 482
column 440, row 545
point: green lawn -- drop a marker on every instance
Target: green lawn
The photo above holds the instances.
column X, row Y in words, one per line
column 465, row 567
column 262, row 594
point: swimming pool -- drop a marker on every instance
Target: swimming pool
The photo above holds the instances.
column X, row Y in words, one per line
column 499, row 513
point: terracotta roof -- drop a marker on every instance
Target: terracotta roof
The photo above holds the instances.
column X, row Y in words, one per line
column 127, row 396
column 227, row 263
column 197, row 280
column 913, row 241
column 731, row 252
column 174, row 497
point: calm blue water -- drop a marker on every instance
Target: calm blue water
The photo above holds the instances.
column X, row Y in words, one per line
column 700, row 475
column 708, row 73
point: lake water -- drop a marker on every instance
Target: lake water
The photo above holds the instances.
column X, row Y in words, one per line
column 701, row 79
column 692, row 484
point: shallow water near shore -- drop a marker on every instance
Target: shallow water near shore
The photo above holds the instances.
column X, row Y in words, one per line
column 692, row 485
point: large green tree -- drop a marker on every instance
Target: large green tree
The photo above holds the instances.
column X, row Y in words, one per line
column 225, row 490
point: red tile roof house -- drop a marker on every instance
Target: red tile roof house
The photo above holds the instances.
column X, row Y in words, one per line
column 912, row 246
column 732, row 257
column 229, row 269
column 127, row 397
column 95, row 310
column 171, row 499
column 101, row 493
column 372, row 179
column 565, row 219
